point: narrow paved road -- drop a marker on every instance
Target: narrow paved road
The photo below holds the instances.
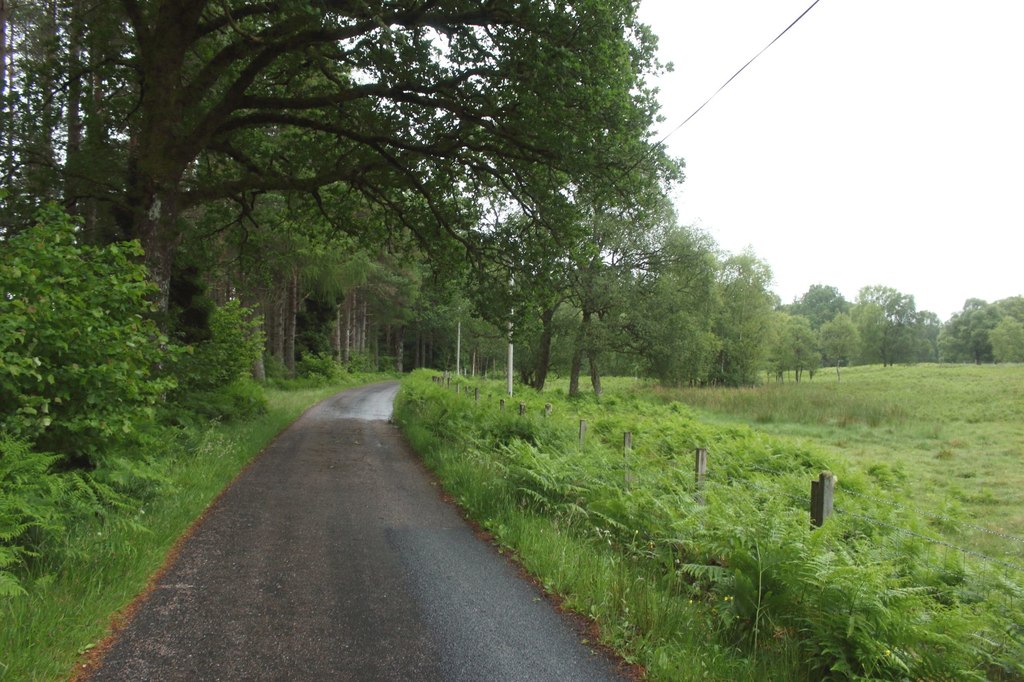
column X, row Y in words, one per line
column 333, row 557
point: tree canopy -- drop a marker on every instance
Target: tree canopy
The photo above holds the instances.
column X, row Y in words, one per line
column 428, row 113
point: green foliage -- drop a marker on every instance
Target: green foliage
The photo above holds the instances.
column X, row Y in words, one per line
column 1007, row 340
column 213, row 376
column 887, row 322
column 28, row 499
column 77, row 354
column 228, row 355
column 855, row 600
column 840, row 340
column 319, row 366
column 820, row 304
column 743, row 318
column 241, row 399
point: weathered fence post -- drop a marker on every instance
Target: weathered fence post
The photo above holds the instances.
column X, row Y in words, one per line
column 501, row 405
column 700, row 471
column 476, row 394
column 522, row 409
column 547, row 409
column 822, row 494
column 583, row 432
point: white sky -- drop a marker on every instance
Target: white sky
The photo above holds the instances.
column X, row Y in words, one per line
column 878, row 142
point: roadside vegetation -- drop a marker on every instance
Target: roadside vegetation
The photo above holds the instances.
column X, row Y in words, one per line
column 726, row 580
column 114, row 436
column 74, row 581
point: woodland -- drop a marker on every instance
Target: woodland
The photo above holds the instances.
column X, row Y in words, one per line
column 203, row 203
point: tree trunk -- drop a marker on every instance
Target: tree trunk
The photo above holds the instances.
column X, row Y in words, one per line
column 543, row 362
column 5, row 117
column 280, row 312
column 5, row 11
column 399, row 339
column 362, row 327
column 74, row 108
column 336, row 334
column 595, row 374
column 291, row 313
column 582, row 337
column 574, row 372
column 348, row 328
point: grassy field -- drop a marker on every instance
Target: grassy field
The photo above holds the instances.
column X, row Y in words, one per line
column 917, row 575
column 940, row 438
column 70, row 603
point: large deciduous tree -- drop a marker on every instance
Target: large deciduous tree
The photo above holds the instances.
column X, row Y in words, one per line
column 743, row 317
column 819, row 304
column 886, row 320
column 429, row 112
column 840, row 341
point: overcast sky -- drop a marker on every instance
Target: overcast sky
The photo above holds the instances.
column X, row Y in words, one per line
column 878, row 142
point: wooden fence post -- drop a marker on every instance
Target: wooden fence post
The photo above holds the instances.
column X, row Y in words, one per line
column 822, row 494
column 477, row 394
column 547, row 409
column 501, row 405
column 583, row 432
column 522, row 409
column 700, row 471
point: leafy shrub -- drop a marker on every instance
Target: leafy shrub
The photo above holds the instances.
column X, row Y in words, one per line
column 214, row 380
column 77, row 353
column 320, row 366
column 240, row 399
column 234, row 345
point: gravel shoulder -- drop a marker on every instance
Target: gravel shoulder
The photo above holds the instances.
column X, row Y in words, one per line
column 334, row 557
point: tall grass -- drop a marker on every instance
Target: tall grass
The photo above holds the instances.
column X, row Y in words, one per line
column 101, row 566
column 875, row 396
column 727, row 582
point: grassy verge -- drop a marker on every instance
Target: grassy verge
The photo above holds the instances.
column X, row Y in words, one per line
column 68, row 606
column 727, row 582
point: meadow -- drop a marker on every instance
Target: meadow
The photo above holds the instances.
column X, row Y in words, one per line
column 917, row 574
column 942, row 439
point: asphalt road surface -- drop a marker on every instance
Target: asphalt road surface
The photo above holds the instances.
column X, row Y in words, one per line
column 334, row 557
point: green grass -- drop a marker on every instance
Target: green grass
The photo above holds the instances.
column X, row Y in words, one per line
column 69, row 605
column 738, row 586
column 943, row 438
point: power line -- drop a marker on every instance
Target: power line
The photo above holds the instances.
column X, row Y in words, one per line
column 742, row 68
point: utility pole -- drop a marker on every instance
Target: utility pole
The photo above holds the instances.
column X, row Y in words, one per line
column 511, row 314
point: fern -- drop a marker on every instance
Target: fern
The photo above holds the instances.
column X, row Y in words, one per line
column 29, row 498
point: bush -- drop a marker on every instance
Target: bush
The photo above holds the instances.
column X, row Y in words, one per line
column 320, row 366
column 77, row 352
column 234, row 345
column 240, row 399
